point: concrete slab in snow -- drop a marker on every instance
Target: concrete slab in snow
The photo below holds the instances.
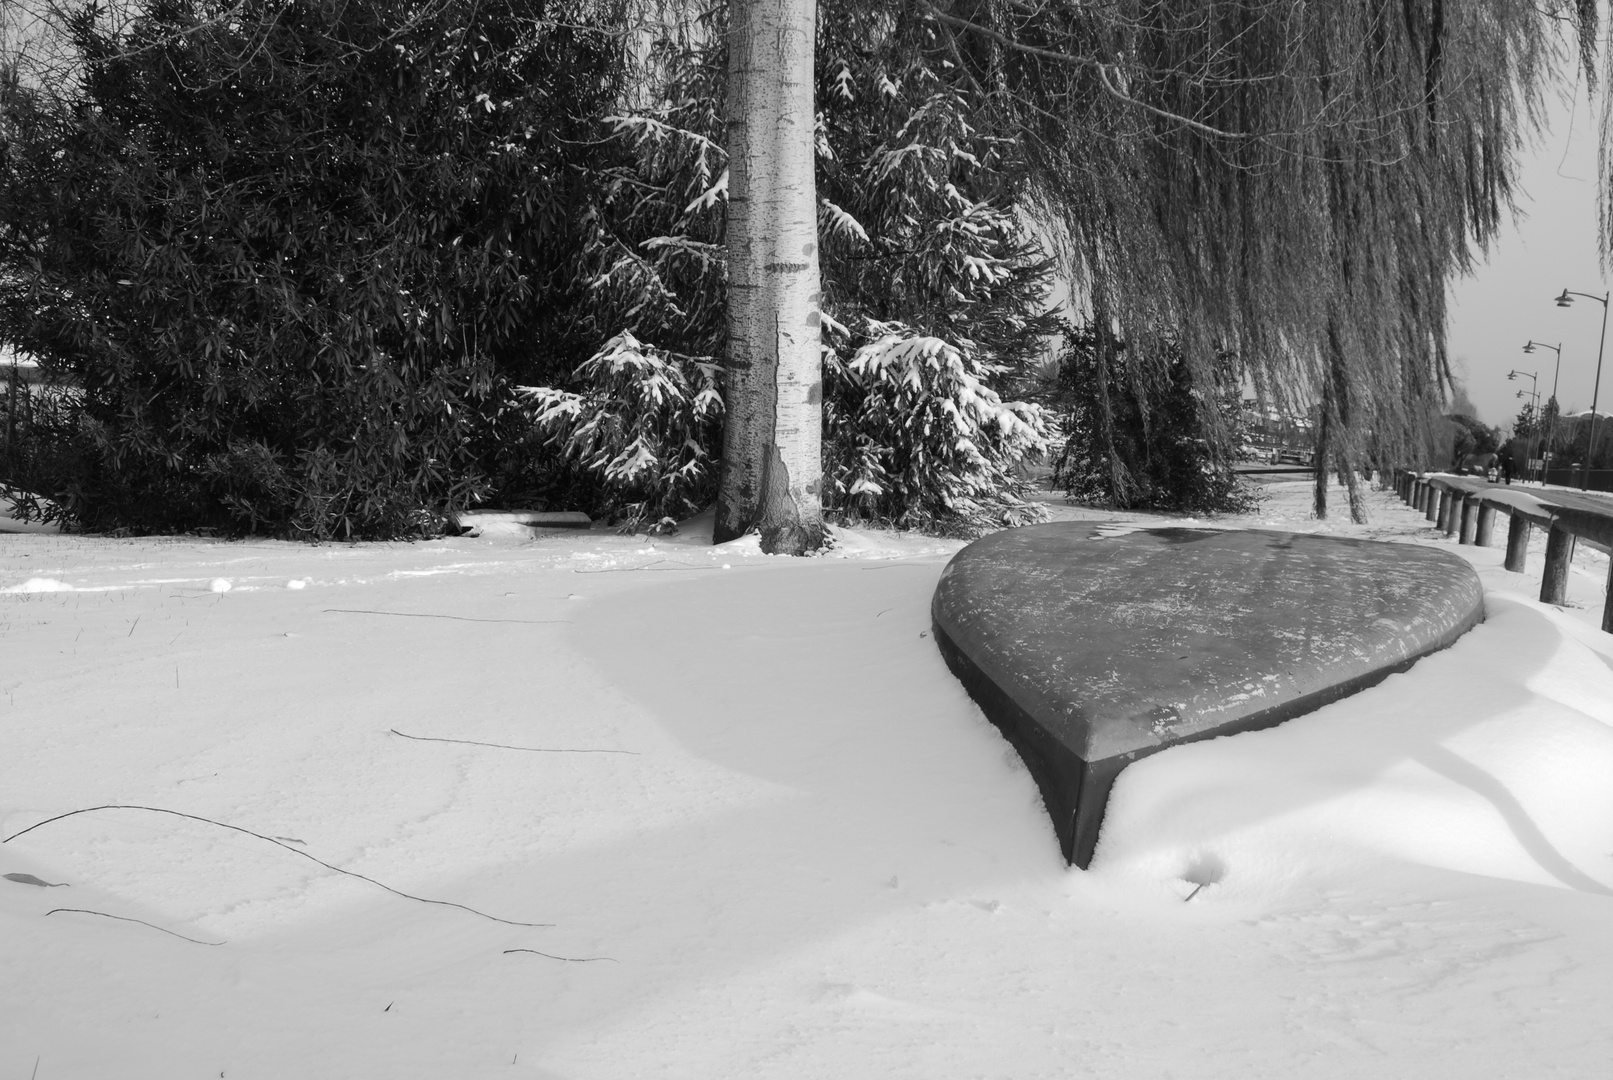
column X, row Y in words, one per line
column 475, row 520
column 1091, row 646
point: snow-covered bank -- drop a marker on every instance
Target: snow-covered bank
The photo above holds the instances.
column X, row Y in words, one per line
column 773, row 836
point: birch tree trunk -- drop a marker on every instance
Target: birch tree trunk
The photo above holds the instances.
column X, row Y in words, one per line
column 772, row 440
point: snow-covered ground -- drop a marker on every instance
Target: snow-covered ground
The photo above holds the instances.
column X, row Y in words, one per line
column 764, row 831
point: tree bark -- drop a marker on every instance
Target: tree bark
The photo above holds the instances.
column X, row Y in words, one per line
column 772, row 441
column 1323, row 452
column 1352, row 484
column 11, row 416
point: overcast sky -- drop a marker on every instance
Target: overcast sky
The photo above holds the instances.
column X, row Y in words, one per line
column 1510, row 299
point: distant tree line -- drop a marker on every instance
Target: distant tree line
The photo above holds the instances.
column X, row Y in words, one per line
column 1568, row 439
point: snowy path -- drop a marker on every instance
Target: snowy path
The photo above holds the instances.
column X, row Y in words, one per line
column 805, row 855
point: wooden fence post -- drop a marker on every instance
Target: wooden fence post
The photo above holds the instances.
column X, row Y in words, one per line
column 1450, row 514
column 1554, row 576
column 1470, row 518
column 1517, row 542
column 1607, row 604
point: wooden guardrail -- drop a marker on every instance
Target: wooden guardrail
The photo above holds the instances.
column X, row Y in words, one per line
column 1465, row 507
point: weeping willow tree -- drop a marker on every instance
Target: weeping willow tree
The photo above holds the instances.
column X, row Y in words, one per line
column 1293, row 183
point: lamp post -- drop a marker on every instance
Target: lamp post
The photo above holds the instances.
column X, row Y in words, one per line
column 1551, row 432
column 1534, row 411
column 1567, row 300
column 1533, row 394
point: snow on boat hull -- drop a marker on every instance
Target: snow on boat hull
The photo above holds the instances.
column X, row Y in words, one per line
column 1092, row 646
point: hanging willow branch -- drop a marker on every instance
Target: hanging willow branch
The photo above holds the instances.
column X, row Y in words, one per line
column 1240, row 177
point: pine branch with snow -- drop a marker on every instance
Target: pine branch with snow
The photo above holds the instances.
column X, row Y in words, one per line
column 640, row 427
column 917, row 437
column 936, row 297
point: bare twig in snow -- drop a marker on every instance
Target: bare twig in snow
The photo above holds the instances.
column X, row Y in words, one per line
column 567, row 959
column 276, row 843
column 430, row 615
column 125, row 918
column 647, row 567
column 502, row 746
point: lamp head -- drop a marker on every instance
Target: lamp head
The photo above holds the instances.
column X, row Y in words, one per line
column 1511, row 375
column 1528, row 348
column 1565, row 300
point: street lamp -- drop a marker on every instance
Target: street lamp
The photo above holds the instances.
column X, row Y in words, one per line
column 1567, row 300
column 1551, row 431
column 1533, row 394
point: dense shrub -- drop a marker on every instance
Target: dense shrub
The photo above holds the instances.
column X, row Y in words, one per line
column 41, row 448
column 289, row 249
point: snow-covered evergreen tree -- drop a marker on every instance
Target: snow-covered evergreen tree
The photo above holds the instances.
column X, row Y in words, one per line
column 934, row 294
column 630, row 356
column 643, row 423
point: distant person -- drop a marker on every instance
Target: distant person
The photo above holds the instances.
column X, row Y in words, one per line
column 1506, row 468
